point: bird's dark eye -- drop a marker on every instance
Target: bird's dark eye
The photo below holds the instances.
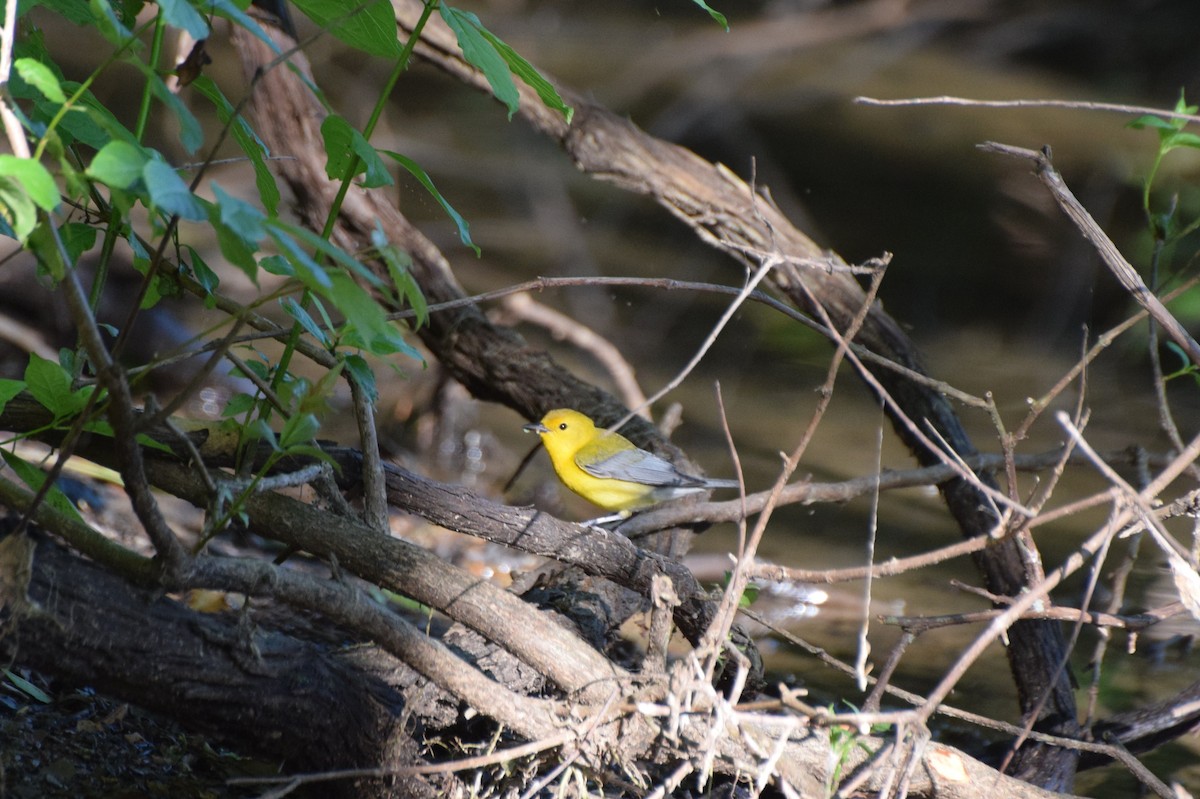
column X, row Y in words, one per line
column 562, row 426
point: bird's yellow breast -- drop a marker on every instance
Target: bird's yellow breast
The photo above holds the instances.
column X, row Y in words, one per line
column 606, row 492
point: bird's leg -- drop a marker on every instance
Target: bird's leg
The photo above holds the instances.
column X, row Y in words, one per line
column 603, row 520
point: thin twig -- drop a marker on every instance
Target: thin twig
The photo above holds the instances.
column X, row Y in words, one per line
column 523, row 307
column 1073, row 105
column 1126, row 275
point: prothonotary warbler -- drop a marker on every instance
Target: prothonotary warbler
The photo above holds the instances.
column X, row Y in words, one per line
column 606, row 469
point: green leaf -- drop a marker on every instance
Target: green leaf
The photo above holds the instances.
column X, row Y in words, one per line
column 20, row 214
column 119, row 164
column 370, row 27
column 36, row 179
column 109, row 25
column 480, row 53
column 34, row 478
column 308, row 271
column 716, row 15
column 87, row 121
column 316, row 453
column 43, row 243
column 224, row 8
column 361, row 372
column 39, row 75
column 260, row 430
column 304, row 319
column 332, row 251
column 399, row 265
column 238, row 405
column 259, row 369
column 1181, row 106
column 50, row 384
column 1180, row 139
column 378, row 335
column 526, row 72
column 205, row 276
column 325, row 319
column 240, row 216
column 1151, row 121
column 8, row 390
column 233, row 247
column 180, row 14
column 342, row 143
column 414, row 169
column 100, row 427
column 316, row 399
column 247, row 139
column 71, row 10
column 190, row 133
column 77, row 238
column 168, row 192
column 300, row 429
column 27, row 688
column 277, row 265
column 150, row 443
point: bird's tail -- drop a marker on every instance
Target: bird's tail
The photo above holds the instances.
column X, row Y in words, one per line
column 720, row 483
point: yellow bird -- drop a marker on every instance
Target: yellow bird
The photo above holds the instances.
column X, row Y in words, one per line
column 606, row 469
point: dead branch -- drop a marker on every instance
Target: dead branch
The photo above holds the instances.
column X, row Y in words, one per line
column 725, row 212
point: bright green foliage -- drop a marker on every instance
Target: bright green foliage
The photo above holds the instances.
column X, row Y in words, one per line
column 491, row 56
column 25, row 187
column 247, row 139
column 1171, row 136
column 205, row 276
column 168, row 193
column 843, row 740
column 37, row 74
column 34, row 477
column 342, row 144
column 1170, row 224
column 50, row 384
column 118, row 165
column 180, row 14
column 95, row 180
column 8, row 390
column 716, row 15
column 398, row 264
column 414, row 169
column 239, row 216
column 370, row 26
column 108, row 23
column 305, row 320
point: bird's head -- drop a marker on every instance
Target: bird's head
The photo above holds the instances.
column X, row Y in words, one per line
column 563, row 430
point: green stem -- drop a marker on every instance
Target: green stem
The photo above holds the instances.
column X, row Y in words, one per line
column 148, row 93
column 335, row 208
column 73, row 100
column 79, row 535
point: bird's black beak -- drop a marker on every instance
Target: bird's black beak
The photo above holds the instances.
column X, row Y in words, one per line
column 536, row 427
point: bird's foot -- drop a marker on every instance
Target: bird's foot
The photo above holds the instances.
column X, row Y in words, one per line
column 602, row 521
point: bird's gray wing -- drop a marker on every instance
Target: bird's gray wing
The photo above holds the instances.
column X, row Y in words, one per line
column 639, row 466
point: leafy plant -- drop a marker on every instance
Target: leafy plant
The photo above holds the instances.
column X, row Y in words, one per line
column 80, row 176
column 843, row 741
